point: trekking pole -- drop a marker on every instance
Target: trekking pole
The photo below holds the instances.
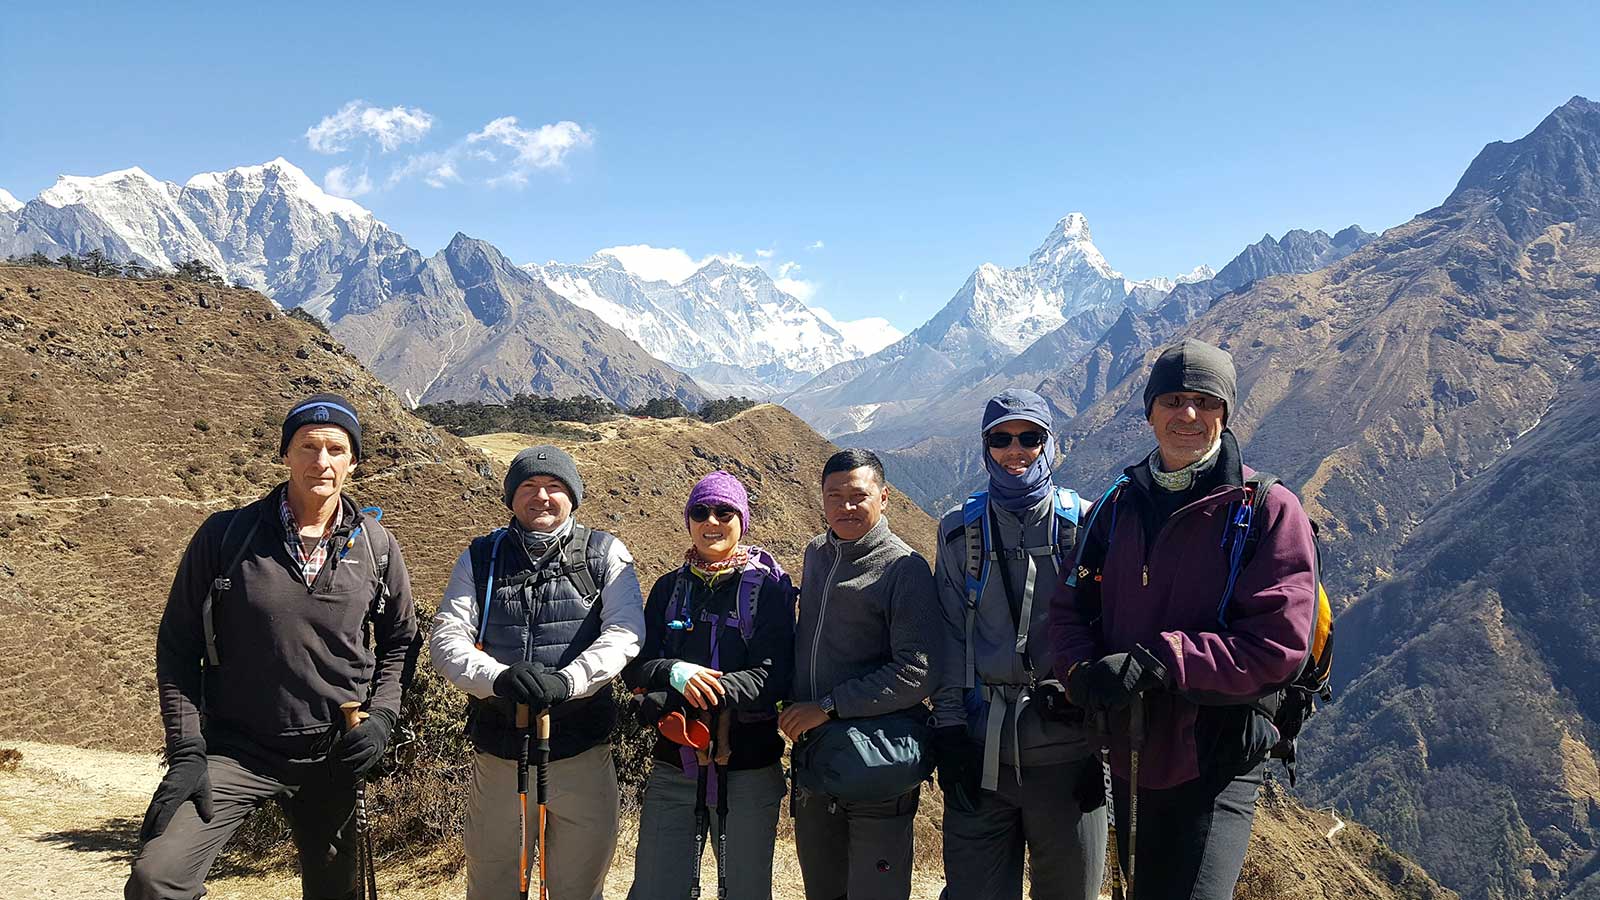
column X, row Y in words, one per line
column 366, row 869
column 701, row 816
column 544, row 798
column 1118, row 879
column 724, row 752
column 522, row 801
column 1135, row 743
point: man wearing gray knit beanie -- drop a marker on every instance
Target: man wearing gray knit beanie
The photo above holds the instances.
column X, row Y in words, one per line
column 542, row 613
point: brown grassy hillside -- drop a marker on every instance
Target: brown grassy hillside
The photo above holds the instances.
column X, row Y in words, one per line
column 131, row 410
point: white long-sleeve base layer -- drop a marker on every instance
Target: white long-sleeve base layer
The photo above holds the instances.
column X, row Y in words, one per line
column 455, row 629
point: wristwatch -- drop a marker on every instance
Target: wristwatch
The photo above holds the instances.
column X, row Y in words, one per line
column 826, row 704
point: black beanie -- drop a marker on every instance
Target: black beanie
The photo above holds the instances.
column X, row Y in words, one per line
column 322, row 409
column 1192, row 365
column 544, row 459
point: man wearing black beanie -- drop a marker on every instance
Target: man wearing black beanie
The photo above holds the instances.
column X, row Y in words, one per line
column 262, row 642
column 1172, row 617
column 564, row 616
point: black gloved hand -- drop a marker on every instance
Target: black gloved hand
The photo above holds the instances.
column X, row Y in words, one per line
column 187, row 779
column 518, row 683
column 1050, row 699
column 1111, row 682
column 960, row 761
column 530, row 684
column 549, row 689
column 360, row 748
column 655, row 704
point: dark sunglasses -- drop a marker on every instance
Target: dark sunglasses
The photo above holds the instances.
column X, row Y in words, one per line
column 999, row 440
column 701, row 512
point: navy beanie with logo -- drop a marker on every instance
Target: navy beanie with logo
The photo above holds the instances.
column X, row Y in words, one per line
column 545, row 459
column 322, row 409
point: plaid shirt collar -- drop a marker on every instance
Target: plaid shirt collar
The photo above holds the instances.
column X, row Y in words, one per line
column 310, row 564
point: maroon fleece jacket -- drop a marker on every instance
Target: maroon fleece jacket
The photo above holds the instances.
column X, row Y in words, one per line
column 1164, row 595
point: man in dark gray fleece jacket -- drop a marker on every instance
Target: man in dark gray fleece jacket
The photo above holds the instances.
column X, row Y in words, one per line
column 261, row 643
column 869, row 619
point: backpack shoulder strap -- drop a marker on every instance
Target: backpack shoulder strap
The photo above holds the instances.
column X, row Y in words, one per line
column 761, row 568
column 380, row 561
column 1259, row 485
column 244, row 521
column 1109, row 498
column 973, row 513
column 1066, row 537
column 578, row 557
column 484, row 554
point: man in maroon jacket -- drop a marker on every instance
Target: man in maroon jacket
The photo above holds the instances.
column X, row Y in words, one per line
column 1148, row 614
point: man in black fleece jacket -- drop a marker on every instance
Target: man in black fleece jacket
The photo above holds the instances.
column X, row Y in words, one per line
column 261, row 642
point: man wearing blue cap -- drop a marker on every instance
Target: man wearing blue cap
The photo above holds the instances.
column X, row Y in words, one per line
column 1015, row 762
column 261, row 643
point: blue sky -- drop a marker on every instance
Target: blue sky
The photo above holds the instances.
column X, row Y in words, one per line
column 913, row 142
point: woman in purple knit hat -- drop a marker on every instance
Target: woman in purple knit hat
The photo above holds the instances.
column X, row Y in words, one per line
column 718, row 655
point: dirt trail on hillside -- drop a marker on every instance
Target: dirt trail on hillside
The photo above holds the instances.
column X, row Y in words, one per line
column 69, row 826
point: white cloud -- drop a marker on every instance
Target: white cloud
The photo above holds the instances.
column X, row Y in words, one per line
column 785, row 268
column 815, row 245
column 669, row 264
column 798, row 288
column 359, row 119
column 767, row 253
column 544, row 147
column 868, row 335
column 481, row 156
column 338, row 183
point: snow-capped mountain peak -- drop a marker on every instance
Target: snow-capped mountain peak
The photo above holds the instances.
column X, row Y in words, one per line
column 9, row 203
column 724, row 313
column 284, row 175
column 71, row 189
column 1070, row 244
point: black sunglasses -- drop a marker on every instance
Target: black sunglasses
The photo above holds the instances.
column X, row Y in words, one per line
column 1000, row 440
column 701, row 512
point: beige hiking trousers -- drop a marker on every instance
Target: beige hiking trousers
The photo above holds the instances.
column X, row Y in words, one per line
column 580, row 826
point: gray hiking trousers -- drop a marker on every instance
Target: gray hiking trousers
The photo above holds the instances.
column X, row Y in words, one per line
column 1066, row 847
column 664, row 863
column 856, row 850
column 319, row 804
column 580, row 826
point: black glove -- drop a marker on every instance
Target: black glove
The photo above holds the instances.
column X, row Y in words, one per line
column 960, row 760
column 360, row 748
column 1111, row 682
column 1050, row 699
column 654, row 705
column 187, row 779
column 528, row 683
column 517, row 682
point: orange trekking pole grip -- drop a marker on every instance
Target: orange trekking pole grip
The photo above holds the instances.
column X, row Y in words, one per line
column 544, row 797
column 522, row 802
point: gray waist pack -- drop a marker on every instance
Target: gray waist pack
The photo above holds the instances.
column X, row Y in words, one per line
column 866, row 760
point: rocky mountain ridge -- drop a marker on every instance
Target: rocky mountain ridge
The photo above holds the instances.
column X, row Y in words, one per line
column 439, row 327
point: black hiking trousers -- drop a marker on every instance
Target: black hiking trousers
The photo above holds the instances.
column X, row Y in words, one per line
column 318, row 800
column 1192, row 837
